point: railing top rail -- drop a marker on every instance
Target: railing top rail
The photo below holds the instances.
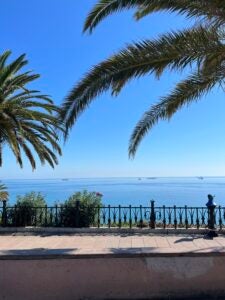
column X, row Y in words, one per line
column 117, row 206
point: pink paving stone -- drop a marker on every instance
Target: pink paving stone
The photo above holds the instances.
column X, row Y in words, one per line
column 183, row 242
column 203, row 244
column 137, row 242
column 212, row 243
column 112, row 242
column 162, row 242
column 221, row 241
column 150, row 241
column 125, row 242
column 99, row 243
column 94, row 244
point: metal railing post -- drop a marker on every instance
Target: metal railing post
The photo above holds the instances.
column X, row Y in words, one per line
column 4, row 214
column 152, row 215
column 211, row 205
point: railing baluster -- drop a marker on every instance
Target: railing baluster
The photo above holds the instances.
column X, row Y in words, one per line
column 125, row 216
column 51, row 216
column 4, row 214
column 103, row 215
column 109, row 217
column 203, row 216
column 56, row 215
column 169, row 216
column 46, row 215
column 186, row 217
column 192, row 216
column 197, row 219
column 180, row 217
column 175, row 217
column 61, row 216
column 141, row 218
column 135, row 215
column 120, row 216
column 152, row 215
column 220, row 218
column 98, row 216
column 164, row 216
column 130, row 216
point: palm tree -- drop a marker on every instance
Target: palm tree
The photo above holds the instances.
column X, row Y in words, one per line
column 4, row 195
column 200, row 48
column 28, row 121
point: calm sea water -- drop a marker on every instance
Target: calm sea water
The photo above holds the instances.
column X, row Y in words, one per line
column 125, row 191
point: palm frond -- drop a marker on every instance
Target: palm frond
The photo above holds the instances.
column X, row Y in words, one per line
column 174, row 50
column 213, row 10
column 207, row 10
column 4, row 195
column 28, row 118
column 187, row 91
column 3, row 58
column 106, row 7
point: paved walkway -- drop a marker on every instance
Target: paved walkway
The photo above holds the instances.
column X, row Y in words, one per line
column 108, row 244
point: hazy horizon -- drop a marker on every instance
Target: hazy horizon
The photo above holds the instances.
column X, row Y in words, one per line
column 115, row 177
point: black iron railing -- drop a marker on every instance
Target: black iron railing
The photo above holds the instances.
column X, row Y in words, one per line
column 112, row 216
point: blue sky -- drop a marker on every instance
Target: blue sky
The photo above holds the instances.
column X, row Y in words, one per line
column 50, row 33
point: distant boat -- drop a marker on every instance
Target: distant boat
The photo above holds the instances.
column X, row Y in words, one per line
column 200, row 177
column 150, row 177
column 65, row 179
column 139, row 178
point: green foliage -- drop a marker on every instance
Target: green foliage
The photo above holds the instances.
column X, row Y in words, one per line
column 83, row 215
column 28, row 210
column 28, row 121
column 32, row 199
column 200, row 48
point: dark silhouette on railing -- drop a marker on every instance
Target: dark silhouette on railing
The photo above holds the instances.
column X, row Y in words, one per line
column 211, row 205
column 165, row 217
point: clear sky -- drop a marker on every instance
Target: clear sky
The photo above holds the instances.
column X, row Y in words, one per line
column 50, row 33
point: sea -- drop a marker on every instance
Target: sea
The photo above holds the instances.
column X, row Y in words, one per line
column 180, row 191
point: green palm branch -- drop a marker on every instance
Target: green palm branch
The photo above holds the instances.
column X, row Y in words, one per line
column 28, row 123
column 4, row 195
column 200, row 49
column 212, row 11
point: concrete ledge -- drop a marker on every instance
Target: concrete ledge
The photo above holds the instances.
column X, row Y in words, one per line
column 139, row 277
column 37, row 255
column 115, row 265
column 94, row 230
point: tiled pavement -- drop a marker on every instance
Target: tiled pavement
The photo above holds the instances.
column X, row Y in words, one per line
column 108, row 244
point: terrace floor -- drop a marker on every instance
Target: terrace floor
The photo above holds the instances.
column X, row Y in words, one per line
column 19, row 245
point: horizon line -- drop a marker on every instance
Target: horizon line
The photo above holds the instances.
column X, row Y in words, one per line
column 115, row 177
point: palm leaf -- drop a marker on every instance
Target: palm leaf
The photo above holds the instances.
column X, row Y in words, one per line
column 28, row 118
column 187, row 91
column 213, row 10
column 4, row 195
column 174, row 50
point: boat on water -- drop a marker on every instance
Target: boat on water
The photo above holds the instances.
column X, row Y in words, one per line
column 200, row 177
column 65, row 179
column 150, row 177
